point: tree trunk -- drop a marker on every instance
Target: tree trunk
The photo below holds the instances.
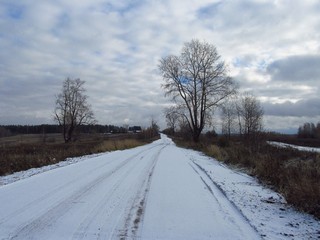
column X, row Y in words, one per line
column 196, row 135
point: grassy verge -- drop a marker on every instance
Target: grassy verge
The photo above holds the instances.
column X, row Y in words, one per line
column 293, row 173
column 24, row 155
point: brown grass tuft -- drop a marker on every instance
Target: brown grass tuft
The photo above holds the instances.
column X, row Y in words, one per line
column 112, row 145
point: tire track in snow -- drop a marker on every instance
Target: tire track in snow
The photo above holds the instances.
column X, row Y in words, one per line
column 226, row 205
column 107, row 205
column 58, row 189
column 37, row 224
column 134, row 218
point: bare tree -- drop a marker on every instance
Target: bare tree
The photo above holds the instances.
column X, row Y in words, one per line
column 250, row 116
column 197, row 81
column 72, row 108
column 308, row 130
column 172, row 118
column 228, row 117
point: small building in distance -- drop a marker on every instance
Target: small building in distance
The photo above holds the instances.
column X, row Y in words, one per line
column 135, row 129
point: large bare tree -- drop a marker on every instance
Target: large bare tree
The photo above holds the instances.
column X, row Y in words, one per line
column 197, row 81
column 72, row 108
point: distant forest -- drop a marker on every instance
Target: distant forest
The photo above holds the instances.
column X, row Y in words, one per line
column 8, row 130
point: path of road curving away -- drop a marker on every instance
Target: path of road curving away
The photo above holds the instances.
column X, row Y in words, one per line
column 151, row 192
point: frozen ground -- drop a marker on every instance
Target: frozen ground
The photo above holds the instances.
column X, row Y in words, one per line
column 286, row 145
column 157, row 191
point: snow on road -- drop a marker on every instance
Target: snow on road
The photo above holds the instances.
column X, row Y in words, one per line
column 157, row 191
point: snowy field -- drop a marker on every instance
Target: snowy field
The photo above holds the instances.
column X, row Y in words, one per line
column 286, row 145
column 156, row 191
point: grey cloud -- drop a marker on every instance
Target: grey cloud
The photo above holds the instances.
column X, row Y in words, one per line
column 240, row 18
column 301, row 69
column 307, row 108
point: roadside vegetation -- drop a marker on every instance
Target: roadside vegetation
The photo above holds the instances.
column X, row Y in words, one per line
column 22, row 152
column 291, row 172
column 198, row 84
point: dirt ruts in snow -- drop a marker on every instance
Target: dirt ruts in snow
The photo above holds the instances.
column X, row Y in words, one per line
column 226, row 205
column 266, row 210
column 44, row 219
column 136, row 212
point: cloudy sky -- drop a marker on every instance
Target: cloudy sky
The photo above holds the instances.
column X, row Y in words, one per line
column 272, row 48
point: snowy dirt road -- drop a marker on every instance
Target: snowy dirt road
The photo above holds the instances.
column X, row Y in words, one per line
column 157, row 191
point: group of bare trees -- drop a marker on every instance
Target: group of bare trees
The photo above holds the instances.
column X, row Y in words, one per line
column 198, row 84
column 309, row 130
column 242, row 115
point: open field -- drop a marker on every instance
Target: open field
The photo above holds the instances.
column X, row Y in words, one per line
column 293, row 139
column 22, row 152
column 56, row 138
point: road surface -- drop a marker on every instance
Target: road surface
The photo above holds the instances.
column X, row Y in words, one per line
column 156, row 191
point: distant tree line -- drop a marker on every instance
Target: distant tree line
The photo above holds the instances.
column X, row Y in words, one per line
column 31, row 129
column 8, row 130
column 309, row 130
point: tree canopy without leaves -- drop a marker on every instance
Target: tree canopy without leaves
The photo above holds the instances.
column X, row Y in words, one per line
column 172, row 118
column 72, row 108
column 197, row 81
column 251, row 114
column 243, row 115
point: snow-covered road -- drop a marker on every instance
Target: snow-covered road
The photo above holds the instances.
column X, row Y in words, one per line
column 157, row 191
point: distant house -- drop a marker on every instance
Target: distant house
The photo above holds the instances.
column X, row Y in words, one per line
column 135, row 129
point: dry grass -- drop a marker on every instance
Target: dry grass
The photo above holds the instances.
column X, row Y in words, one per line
column 23, row 152
column 294, row 173
column 216, row 152
column 17, row 140
column 26, row 156
column 112, row 145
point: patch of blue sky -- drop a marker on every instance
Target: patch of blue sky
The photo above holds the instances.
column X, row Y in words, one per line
column 123, row 59
column 97, row 53
column 209, row 11
column 247, row 62
column 263, row 64
column 63, row 22
column 14, row 11
column 122, row 9
column 184, row 80
column 240, row 62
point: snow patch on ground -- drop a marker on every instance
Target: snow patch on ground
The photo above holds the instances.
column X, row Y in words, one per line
column 300, row 148
column 266, row 210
